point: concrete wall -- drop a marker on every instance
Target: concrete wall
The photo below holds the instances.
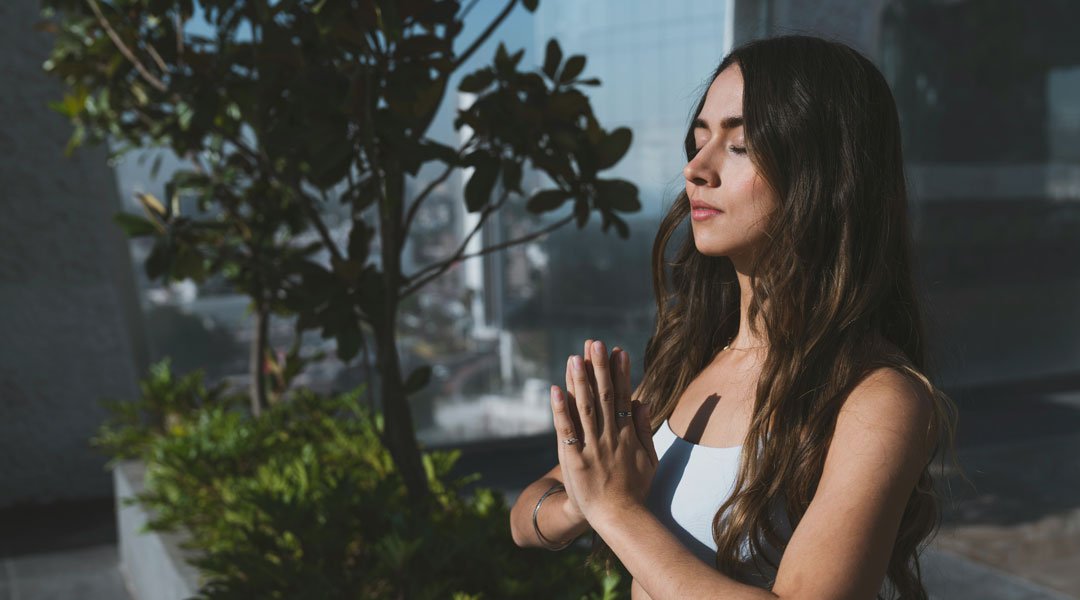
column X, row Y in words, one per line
column 70, row 327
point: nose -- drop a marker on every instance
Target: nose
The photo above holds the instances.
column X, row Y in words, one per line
column 699, row 172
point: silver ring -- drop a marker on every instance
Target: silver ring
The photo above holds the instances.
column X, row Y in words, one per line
column 624, row 413
column 572, row 440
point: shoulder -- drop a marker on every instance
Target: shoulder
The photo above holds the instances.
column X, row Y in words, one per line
column 890, row 410
column 889, row 391
column 842, row 545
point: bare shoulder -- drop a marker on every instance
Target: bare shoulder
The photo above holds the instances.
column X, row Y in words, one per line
column 889, row 399
column 841, row 546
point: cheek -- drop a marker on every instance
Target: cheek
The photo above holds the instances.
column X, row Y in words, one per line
column 761, row 200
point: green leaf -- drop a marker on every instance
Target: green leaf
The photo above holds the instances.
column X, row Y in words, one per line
column 546, row 200
column 618, row 194
column 184, row 114
column 478, row 190
column 477, row 81
column 620, row 226
column 432, row 149
column 552, row 58
column 614, row 147
column 134, row 226
column 574, row 66
column 349, row 340
column 159, row 260
column 189, row 264
column 511, row 174
column 417, row 379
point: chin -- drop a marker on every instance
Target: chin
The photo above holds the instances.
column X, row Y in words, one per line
column 713, row 249
column 712, row 245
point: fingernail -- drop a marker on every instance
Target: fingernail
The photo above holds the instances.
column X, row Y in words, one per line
column 578, row 366
column 598, row 347
column 556, row 395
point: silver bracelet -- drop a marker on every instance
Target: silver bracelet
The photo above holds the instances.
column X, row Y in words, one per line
column 543, row 540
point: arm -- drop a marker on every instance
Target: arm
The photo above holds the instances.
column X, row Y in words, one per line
column 841, row 547
column 554, row 518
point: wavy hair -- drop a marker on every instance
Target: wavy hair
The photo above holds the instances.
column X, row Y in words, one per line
column 833, row 288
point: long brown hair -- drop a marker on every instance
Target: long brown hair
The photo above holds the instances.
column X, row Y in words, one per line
column 822, row 129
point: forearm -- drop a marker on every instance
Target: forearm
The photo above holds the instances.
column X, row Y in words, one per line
column 662, row 565
column 552, row 518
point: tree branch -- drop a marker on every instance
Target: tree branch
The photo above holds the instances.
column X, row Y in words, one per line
column 119, row 43
column 305, row 199
column 420, row 198
column 157, row 57
column 485, row 35
column 441, row 268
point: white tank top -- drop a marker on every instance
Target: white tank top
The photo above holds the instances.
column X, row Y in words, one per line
column 690, row 484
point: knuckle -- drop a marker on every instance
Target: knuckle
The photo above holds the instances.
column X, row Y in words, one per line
column 607, row 396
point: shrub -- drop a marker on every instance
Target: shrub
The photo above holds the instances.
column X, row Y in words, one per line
column 305, row 502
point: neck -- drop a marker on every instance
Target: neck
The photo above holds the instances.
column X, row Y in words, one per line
column 745, row 338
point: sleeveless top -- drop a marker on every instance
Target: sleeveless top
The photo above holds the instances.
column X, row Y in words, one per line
column 690, row 484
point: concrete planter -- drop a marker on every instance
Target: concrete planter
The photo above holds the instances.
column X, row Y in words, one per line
column 153, row 564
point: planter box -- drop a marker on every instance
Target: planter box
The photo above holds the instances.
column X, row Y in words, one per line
column 153, row 564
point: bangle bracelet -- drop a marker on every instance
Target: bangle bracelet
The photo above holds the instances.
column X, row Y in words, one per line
column 543, row 540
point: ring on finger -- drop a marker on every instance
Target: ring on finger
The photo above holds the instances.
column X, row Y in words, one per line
column 571, row 440
column 624, row 413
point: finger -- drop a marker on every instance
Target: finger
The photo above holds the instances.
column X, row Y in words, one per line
column 571, row 395
column 605, row 392
column 643, row 425
column 620, row 373
column 564, row 425
column 586, row 406
column 589, row 367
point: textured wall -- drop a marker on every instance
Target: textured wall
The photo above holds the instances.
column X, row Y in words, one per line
column 70, row 327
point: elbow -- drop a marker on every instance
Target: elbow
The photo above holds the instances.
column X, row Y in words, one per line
column 515, row 534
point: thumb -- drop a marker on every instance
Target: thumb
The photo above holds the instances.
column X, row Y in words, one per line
column 643, row 425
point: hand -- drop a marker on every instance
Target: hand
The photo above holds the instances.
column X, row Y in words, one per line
column 612, row 465
column 571, row 507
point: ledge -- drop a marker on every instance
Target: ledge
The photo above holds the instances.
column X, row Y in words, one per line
column 153, row 564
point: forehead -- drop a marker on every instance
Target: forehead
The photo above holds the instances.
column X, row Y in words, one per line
column 724, row 97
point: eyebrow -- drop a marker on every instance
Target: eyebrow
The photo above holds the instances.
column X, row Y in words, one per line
column 726, row 123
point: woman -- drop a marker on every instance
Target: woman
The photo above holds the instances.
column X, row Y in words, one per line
column 791, row 326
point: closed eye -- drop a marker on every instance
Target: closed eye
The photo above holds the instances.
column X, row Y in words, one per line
column 733, row 149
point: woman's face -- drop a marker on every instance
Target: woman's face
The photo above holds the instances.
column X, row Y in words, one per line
column 721, row 176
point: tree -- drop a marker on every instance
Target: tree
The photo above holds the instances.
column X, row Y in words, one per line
column 292, row 102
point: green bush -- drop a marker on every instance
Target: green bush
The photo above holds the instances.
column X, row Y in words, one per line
column 304, row 502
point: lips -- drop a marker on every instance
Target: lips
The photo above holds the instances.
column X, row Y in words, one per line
column 698, row 204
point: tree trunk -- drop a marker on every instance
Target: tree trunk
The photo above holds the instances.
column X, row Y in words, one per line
column 399, row 436
column 258, row 352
